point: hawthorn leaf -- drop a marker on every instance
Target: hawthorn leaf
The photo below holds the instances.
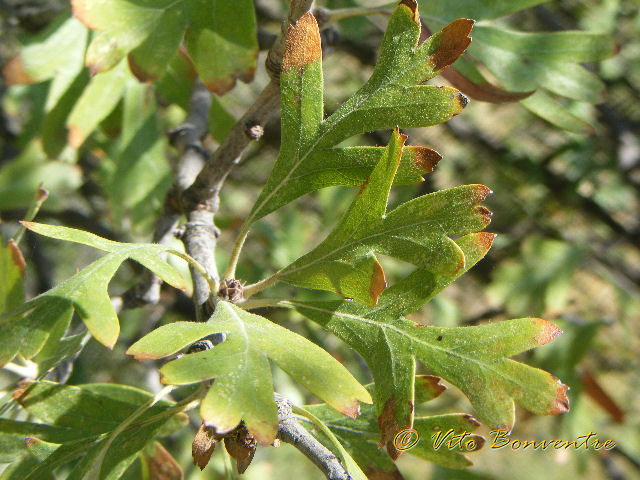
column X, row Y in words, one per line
column 137, row 186
column 56, row 54
column 28, row 336
column 243, row 389
column 96, row 102
column 98, row 409
column 417, row 232
column 392, row 97
column 219, row 36
column 472, row 358
column 222, row 41
column 479, row 10
column 86, row 292
column 389, row 344
column 13, row 434
column 527, row 61
column 394, row 367
column 21, row 177
column 545, row 106
column 360, row 436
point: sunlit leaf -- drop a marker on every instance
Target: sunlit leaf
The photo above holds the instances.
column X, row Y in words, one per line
column 243, row 389
column 86, row 292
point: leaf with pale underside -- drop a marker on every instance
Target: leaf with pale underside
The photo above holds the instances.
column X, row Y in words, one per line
column 243, row 388
column 360, row 436
column 417, row 232
column 85, row 292
column 392, row 97
column 219, row 36
column 472, row 358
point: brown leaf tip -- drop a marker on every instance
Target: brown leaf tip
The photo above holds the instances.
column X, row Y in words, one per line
column 16, row 256
column 431, row 383
column 79, row 10
column 561, row 401
column 352, row 410
column 485, row 239
column 413, row 6
column 378, row 282
column 454, row 40
column 13, row 72
column 31, row 441
column 303, row 43
column 485, row 213
column 480, row 193
column 470, row 420
column 425, row 158
column 548, row 331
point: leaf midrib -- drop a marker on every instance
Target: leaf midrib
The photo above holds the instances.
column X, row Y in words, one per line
column 412, row 339
column 390, row 81
column 355, row 242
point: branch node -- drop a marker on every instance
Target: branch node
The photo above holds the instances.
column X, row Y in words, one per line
column 253, row 130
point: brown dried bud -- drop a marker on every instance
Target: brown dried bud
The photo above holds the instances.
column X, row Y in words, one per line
column 202, row 446
column 230, row 290
column 241, row 446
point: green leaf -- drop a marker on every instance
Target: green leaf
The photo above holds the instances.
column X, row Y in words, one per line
column 222, row 41
column 56, row 54
column 22, row 176
column 528, row 61
column 476, row 9
column 96, row 102
column 12, row 268
column 86, row 292
column 243, row 389
column 82, row 416
column 360, row 437
column 138, row 184
column 545, row 106
column 392, row 97
column 349, row 463
column 13, row 434
column 417, row 232
column 472, row 358
column 220, row 37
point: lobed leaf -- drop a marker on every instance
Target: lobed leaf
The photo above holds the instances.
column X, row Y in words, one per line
column 85, row 292
column 243, row 389
column 417, row 232
column 96, row 102
column 149, row 34
column 470, row 358
column 391, row 97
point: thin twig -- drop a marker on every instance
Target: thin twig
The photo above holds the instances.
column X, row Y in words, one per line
column 290, row 431
column 201, row 198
